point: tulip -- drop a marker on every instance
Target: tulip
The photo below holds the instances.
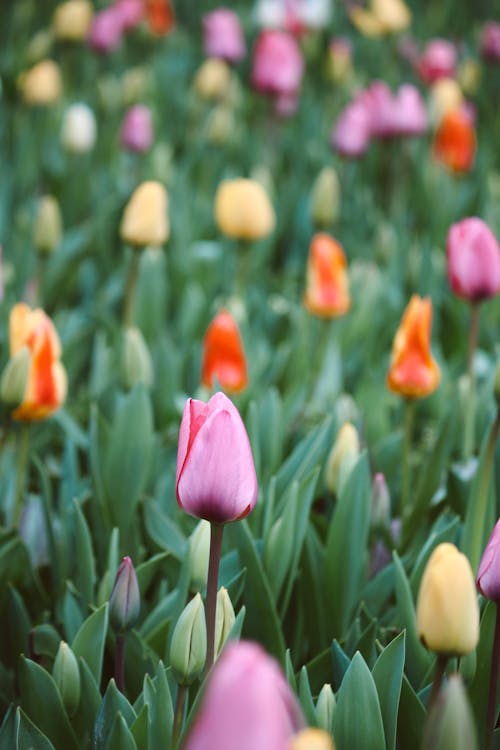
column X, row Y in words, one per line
column 223, row 35
column 450, row 724
column 312, row 739
column 106, row 30
column 339, row 59
column 446, row 96
column 224, row 619
column 325, row 198
column 199, row 547
column 455, row 141
column 78, row 132
column 66, row 674
column 145, row 219
column 413, row 372
column 137, row 129
column 382, row 17
column 447, row 608
column 213, row 80
column 42, row 84
column 489, row 43
column 124, row 608
column 352, row 131
column 277, row 65
column 130, row 13
column 136, row 364
column 438, row 60
column 160, row 16
column 380, row 502
column 47, row 231
column 72, row 19
column 342, row 458
column 327, row 287
column 224, row 358
column 325, row 708
column 243, row 210
column 473, row 260
column 247, row 704
column 188, row 646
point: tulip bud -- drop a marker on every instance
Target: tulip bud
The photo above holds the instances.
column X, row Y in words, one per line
column 199, row 549
column 488, row 574
column 243, row 210
column 213, row 80
column 220, row 124
column 145, row 219
column 66, row 675
column 473, row 255
column 325, row 708
column 312, row 739
column 78, row 132
column 339, row 59
column 447, row 608
column 342, row 457
column 48, row 225
column 381, row 502
column 137, row 365
column 224, row 619
column 450, row 724
column 223, row 35
column 469, row 75
column 137, row 129
column 446, row 96
column 41, row 85
column 124, row 602
column 15, row 377
column 188, row 648
column 72, row 19
column 325, row 198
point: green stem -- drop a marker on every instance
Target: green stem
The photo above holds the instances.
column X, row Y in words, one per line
column 130, row 288
column 216, row 531
column 470, row 404
column 491, row 715
column 409, row 419
column 441, row 662
column 23, row 441
column 120, row 662
column 180, row 703
column 242, row 268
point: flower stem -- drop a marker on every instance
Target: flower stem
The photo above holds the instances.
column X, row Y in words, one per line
column 120, row 662
column 216, row 531
column 491, row 716
column 180, row 703
column 23, row 441
column 441, row 662
column 409, row 419
column 242, row 268
column 470, row 405
column 130, row 289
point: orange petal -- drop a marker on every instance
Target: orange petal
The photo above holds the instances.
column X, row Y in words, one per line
column 327, row 287
column 455, row 142
column 223, row 355
column 160, row 15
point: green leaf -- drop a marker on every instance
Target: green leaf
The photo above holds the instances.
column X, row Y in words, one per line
column 45, row 640
column 9, row 728
column 90, row 640
column 113, row 703
column 85, row 574
column 161, row 710
column 306, row 456
column 139, row 729
column 340, row 664
column 346, row 545
column 29, row 736
column 411, row 718
column 163, row 531
column 120, row 738
column 357, row 723
column 306, row 699
column 147, row 570
column 84, row 719
column 479, row 687
column 388, row 674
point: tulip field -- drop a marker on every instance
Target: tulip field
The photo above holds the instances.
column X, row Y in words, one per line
column 249, row 375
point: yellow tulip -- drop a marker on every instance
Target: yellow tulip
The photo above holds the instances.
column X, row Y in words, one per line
column 72, row 19
column 383, row 17
column 243, row 210
column 213, row 79
column 312, row 739
column 47, row 231
column 145, row 219
column 41, row 84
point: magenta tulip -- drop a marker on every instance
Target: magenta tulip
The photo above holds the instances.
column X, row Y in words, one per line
column 278, row 64
column 438, row 60
column 131, row 13
column 248, row 704
column 396, row 115
column 489, row 43
column 215, row 476
column 488, row 574
column 223, row 36
column 106, row 30
column 352, row 131
column 473, row 260
column 137, row 129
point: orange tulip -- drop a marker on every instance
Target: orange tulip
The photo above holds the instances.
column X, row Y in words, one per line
column 160, row 16
column 223, row 355
column 327, row 288
column 455, row 141
column 45, row 388
column 413, row 372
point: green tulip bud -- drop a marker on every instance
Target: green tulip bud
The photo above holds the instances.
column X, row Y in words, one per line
column 343, row 456
column 66, row 675
column 199, row 549
column 188, row 648
column 224, row 619
column 450, row 723
column 325, row 708
column 137, row 365
column 325, row 198
column 124, row 602
column 15, row 377
column 47, row 231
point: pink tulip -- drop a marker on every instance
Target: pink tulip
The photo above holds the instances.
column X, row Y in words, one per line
column 223, row 36
column 488, row 574
column 473, row 260
column 137, row 129
column 489, row 43
column 247, row 704
column 278, row 64
column 438, row 60
column 352, row 131
column 105, row 32
column 395, row 115
column 131, row 13
column 215, row 476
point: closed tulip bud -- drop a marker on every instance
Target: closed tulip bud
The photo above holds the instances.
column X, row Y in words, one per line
column 134, row 84
column 47, row 231
column 473, row 256
column 223, row 35
column 327, row 281
column 488, row 574
column 199, row 549
column 125, row 600
column 438, row 60
column 277, row 64
column 264, row 715
column 489, row 42
column 413, row 372
column 15, row 377
column 340, row 59
column 381, row 502
column 243, row 210
column 188, row 648
column 382, row 17
column 72, row 19
column 220, row 124
column 42, row 84
column 446, row 96
column 213, row 80
column 312, row 739
column 137, row 365
column 325, row 708
column 469, row 75
column 66, row 675
column 454, row 143
column 145, row 219
column 79, row 129
column 215, row 476
column 325, row 198
column 137, row 129
column 106, row 30
column 224, row 619
column 223, row 358
column 450, row 724
column 447, row 608
column 342, row 457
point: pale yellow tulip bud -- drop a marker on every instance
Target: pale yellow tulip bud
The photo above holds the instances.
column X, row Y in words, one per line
column 446, row 96
column 47, row 230
column 243, row 210
column 224, row 619
column 343, row 456
column 469, row 75
column 213, row 80
column 325, row 198
column 312, row 739
column 145, row 219
column 137, row 365
column 72, row 19
column 41, row 85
